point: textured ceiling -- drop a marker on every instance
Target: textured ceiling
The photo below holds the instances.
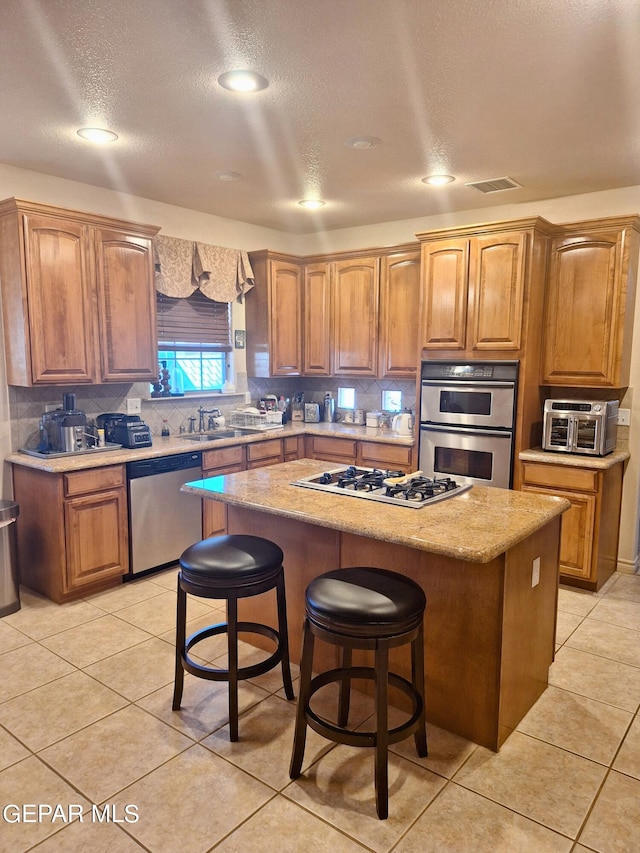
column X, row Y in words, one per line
column 544, row 91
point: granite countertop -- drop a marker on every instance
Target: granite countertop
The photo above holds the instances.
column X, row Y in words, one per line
column 574, row 460
column 181, row 444
column 477, row 526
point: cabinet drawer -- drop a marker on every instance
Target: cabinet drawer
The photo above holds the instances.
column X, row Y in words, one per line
column 264, row 450
column 372, row 454
column 560, row 477
column 212, row 459
column 330, row 448
column 93, row 480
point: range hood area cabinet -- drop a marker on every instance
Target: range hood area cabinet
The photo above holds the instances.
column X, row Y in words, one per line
column 78, row 296
column 343, row 315
column 590, row 303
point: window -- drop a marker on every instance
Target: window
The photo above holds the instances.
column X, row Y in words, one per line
column 392, row 401
column 346, row 398
column 194, row 337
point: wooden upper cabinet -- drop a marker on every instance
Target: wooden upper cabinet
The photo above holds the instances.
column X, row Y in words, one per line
column 399, row 315
column 317, row 320
column 496, row 291
column 126, row 307
column 355, row 297
column 473, row 292
column 590, row 304
column 273, row 311
column 77, row 295
column 445, row 277
column 58, row 296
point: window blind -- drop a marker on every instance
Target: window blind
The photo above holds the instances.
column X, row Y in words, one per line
column 195, row 323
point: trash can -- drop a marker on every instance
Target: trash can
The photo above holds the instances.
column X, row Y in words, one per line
column 9, row 585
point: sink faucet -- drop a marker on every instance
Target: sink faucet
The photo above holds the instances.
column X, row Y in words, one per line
column 202, row 412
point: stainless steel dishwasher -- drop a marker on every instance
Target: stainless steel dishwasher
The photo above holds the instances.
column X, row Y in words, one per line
column 163, row 521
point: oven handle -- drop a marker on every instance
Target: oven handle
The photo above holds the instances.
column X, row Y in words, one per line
column 507, row 433
column 452, row 385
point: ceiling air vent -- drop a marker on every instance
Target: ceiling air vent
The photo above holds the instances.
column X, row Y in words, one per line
column 495, row 185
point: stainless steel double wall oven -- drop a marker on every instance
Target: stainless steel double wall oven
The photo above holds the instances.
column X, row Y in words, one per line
column 467, row 419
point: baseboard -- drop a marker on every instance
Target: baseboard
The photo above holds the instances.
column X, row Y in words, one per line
column 628, row 567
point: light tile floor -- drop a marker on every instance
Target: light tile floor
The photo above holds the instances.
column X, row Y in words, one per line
column 85, row 719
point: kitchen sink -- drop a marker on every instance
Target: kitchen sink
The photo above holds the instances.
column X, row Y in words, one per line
column 211, row 436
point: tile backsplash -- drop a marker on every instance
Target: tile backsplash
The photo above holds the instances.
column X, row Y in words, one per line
column 27, row 404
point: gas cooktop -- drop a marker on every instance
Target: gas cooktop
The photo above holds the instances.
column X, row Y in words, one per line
column 392, row 487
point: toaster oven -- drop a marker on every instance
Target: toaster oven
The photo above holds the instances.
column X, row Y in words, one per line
column 580, row 426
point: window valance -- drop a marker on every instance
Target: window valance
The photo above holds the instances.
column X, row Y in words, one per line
column 183, row 266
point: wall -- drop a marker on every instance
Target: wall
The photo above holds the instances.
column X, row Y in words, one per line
column 179, row 222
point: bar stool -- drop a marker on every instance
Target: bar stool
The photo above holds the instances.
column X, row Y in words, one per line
column 363, row 608
column 231, row 567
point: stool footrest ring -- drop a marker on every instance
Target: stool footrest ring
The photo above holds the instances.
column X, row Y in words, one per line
column 244, row 672
column 341, row 735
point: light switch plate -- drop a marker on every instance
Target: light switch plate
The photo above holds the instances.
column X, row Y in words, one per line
column 134, row 405
column 624, row 417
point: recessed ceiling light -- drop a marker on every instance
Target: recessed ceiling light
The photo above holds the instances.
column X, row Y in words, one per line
column 311, row 203
column 97, row 134
column 227, row 176
column 363, row 142
column 243, row 81
column 438, row 180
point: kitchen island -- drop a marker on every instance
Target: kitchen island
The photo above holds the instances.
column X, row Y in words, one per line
column 487, row 561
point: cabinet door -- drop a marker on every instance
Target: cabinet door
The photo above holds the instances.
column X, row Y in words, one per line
column 577, row 532
column 355, row 294
column 59, row 301
column 496, row 291
column 584, row 305
column 399, row 315
column 126, row 307
column 317, row 320
column 285, row 313
column 96, row 538
column 445, row 270
column 264, row 453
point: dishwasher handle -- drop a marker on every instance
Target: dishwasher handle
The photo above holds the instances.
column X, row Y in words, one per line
column 164, row 464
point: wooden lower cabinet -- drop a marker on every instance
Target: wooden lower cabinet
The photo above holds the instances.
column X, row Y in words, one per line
column 263, row 453
column 373, row 454
column 227, row 460
column 349, row 451
column 590, row 528
column 340, row 450
column 72, row 531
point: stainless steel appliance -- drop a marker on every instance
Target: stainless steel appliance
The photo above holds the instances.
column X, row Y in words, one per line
column 65, row 430
column 580, row 426
column 328, row 409
column 312, row 413
column 467, row 418
column 392, row 487
column 163, row 521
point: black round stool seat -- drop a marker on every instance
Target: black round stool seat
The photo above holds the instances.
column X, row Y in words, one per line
column 230, row 560
column 231, row 567
column 373, row 602
column 369, row 609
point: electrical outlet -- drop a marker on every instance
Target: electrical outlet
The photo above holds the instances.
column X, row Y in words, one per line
column 624, row 417
column 134, row 405
column 247, row 396
column 535, row 572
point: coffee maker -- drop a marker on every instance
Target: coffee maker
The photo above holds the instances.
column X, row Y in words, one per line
column 64, row 430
